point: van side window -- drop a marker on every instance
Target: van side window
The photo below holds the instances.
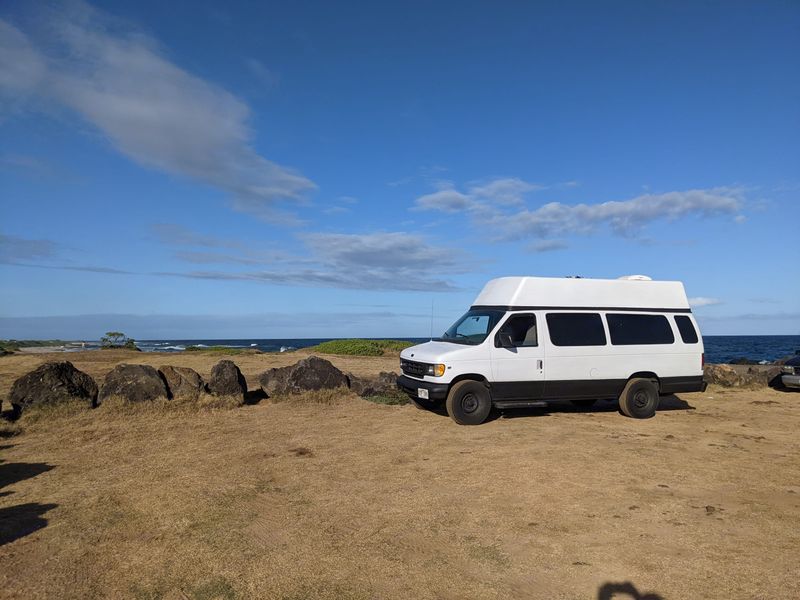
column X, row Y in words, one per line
column 522, row 329
column 576, row 329
column 630, row 329
column 686, row 329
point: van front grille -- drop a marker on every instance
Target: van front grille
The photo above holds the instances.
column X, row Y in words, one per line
column 415, row 369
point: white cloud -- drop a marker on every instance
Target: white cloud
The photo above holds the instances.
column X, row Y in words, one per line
column 447, row 200
column 699, row 301
column 479, row 198
column 495, row 206
column 548, row 246
column 150, row 109
column 506, row 191
column 625, row 217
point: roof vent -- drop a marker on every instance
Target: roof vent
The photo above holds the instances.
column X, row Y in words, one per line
column 635, row 278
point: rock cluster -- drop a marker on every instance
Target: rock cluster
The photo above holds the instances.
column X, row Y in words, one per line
column 385, row 384
column 309, row 374
column 183, row 382
column 53, row 383
column 58, row 382
column 314, row 373
column 742, row 376
column 134, row 383
column 227, row 380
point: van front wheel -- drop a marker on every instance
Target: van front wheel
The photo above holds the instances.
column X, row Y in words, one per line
column 469, row 402
column 639, row 399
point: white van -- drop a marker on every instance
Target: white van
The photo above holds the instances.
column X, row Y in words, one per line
column 527, row 340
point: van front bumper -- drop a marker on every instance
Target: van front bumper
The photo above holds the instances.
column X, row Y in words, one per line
column 436, row 391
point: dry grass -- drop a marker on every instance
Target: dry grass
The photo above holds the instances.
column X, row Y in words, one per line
column 330, row 496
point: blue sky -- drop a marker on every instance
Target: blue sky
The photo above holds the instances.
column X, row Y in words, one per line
column 200, row 170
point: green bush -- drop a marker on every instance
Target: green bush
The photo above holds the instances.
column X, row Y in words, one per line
column 117, row 339
column 390, row 400
column 15, row 345
column 360, row 347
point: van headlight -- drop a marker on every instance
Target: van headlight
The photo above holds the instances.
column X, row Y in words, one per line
column 435, row 370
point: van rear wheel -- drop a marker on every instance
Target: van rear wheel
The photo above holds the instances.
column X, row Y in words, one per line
column 469, row 402
column 639, row 399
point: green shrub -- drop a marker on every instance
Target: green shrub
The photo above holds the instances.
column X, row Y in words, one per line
column 15, row 345
column 117, row 339
column 361, row 347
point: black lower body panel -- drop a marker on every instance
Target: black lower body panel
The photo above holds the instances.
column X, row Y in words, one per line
column 674, row 385
column 436, row 391
column 584, row 389
column 571, row 389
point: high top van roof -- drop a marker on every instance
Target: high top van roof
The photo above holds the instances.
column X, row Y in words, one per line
column 600, row 294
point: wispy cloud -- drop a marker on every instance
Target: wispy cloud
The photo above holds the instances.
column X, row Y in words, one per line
column 172, row 234
column 151, row 110
column 495, row 206
column 376, row 261
column 14, row 249
column 699, row 301
column 479, row 197
column 548, row 246
column 265, row 76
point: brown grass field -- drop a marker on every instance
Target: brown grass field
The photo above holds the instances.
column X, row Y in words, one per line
column 336, row 497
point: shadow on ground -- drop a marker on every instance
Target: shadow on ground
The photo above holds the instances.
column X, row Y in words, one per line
column 255, row 396
column 666, row 403
column 13, row 472
column 624, row 591
column 23, row 519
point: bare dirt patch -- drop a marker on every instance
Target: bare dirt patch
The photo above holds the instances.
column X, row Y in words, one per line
column 351, row 499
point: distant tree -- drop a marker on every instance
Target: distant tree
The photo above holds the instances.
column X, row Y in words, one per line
column 117, row 339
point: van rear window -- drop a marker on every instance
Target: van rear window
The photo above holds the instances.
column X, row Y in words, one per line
column 629, row 329
column 686, row 329
column 576, row 329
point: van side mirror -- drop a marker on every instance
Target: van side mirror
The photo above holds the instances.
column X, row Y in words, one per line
column 504, row 340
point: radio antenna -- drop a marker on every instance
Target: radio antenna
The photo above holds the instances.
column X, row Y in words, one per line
column 431, row 318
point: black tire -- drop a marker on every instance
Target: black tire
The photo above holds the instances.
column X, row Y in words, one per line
column 469, row 402
column 583, row 403
column 639, row 399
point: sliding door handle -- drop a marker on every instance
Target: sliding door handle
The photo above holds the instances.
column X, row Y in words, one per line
column 539, row 364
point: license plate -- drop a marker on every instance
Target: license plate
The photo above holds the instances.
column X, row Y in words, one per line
column 422, row 393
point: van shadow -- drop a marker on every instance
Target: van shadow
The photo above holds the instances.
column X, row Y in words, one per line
column 624, row 591
column 665, row 403
column 23, row 519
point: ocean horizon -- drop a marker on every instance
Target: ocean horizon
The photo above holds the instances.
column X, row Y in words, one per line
column 718, row 348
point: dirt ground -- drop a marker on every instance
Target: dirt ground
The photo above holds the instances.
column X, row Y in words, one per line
column 356, row 500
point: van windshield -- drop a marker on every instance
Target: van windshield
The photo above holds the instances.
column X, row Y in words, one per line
column 473, row 327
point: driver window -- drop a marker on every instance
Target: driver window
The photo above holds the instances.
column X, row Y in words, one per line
column 522, row 329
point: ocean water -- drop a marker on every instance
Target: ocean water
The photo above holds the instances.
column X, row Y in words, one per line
column 719, row 348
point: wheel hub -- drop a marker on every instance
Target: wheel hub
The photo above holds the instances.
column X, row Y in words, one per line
column 640, row 399
column 469, row 403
